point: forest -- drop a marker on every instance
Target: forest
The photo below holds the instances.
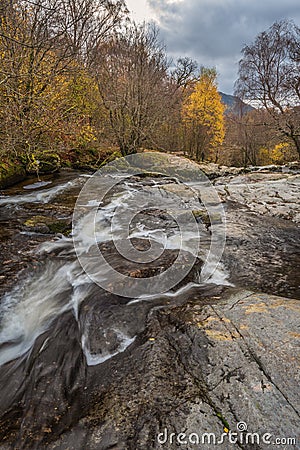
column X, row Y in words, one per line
column 81, row 84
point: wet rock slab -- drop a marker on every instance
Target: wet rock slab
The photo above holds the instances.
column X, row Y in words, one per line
column 262, row 254
column 275, row 194
column 254, row 357
column 203, row 368
column 201, row 364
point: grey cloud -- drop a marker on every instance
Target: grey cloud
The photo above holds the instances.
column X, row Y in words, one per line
column 214, row 31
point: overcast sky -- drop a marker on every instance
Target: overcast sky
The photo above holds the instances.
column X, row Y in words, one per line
column 213, row 31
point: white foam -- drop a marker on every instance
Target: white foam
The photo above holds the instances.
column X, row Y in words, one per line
column 28, row 310
column 43, row 196
column 166, row 295
column 93, row 359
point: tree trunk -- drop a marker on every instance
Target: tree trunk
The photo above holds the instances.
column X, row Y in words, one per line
column 296, row 140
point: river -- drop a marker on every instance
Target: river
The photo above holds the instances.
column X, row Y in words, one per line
column 77, row 300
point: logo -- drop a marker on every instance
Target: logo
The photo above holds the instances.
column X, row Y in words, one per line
column 136, row 210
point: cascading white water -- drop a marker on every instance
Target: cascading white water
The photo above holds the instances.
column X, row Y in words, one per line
column 30, row 309
column 39, row 196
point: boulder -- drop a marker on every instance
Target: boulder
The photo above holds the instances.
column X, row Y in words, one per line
column 11, row 172
column 43, row 163
column 47, row 225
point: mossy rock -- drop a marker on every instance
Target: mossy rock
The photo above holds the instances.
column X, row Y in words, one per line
column 207, row 219
column 112, row 157
column 43, row 163
column 11, row 172
column 166, row 164
column 89, row 158
column 47, row 225
column 201, row 216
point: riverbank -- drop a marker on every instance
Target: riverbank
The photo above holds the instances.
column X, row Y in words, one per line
column 15, row 170
column 27, row 166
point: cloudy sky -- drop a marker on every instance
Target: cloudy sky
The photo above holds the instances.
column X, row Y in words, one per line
column 213, row 31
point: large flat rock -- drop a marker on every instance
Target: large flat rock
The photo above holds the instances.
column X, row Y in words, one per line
column 203, row 368
column 203, row 364
column 275, row 194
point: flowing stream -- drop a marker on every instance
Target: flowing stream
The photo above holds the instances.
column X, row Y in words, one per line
column 68, row 275
column 137, row 244
column 61, row 284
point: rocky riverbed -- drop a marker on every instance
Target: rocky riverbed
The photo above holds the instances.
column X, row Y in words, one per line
column 84, row 367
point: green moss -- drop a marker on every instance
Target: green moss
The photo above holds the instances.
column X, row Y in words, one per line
column 67, row 164
column 61, row 227
column 11, row 172
column 202, row 215
column 223, row 420
column 43, row 162
column 115, row 155
column 51, row 225
column 207, row 219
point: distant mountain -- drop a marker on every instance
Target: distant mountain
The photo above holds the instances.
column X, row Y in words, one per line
column 235, row 105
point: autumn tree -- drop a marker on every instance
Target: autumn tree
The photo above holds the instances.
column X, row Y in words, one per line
column 133, row 83
column 43, row 45
column 182, row 75
column 246, row 134
column 185, row 72
column 203, row 117
column 269, row 74
column 85, row 24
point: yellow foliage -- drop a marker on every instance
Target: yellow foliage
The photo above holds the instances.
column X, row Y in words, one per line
column 87, row 135
column 203, row 111
column 276, row 155
column 278, row 152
